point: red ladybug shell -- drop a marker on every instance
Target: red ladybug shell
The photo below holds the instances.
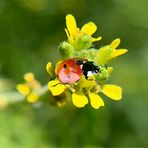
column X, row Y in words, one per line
column 69, row 71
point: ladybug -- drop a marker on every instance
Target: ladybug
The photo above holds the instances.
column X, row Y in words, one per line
column 71, row 70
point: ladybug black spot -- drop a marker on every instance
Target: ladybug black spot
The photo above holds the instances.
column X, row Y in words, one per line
column 68, row 76
column 64, row 66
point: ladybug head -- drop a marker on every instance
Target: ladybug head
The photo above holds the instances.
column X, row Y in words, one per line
column 89, row 68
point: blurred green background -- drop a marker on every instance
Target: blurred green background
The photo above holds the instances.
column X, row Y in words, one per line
column 30, row 32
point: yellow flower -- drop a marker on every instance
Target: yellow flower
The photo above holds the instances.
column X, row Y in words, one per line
column 116, row 52
column 90, row 92
column 32, row 97
column 84, row 83
column 85, row 90
column 112, row 91
column 73, row 32
column 56, row 87
column 109, row 52
column 30, row 88
column 79, row 99
column 95, row 100
column 50, row 69
column 23, row 89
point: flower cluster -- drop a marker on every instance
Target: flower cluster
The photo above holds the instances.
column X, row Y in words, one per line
column 80, row 45
column 30, row 89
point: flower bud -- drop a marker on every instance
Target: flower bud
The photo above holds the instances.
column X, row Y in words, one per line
column 50, row 69
column 66, row 50
column 84, row 41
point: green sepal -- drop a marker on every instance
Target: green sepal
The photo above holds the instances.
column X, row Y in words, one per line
column 103, row 76
column 86, row 54
column 66, row 50
column 84, row 41
column 103, row 55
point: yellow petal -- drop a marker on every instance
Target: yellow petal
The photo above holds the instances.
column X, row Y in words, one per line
column 89, row 28
column 79, row 99
column 33, row 97
column 49, row 68
column 70, row 38
column 84, row 83
column 29, row 77
column 112, row 91
column 103, row 55
column 96, row 39
column 53, row 83
column 95, row 100
column 67, row 33
column 23, row 89
column 116, row 53
column 34, row 84
column 110, row 70
column 57, row 64
column 71, row 25
column 57, row 90
column 115, row 43
column 56, row 87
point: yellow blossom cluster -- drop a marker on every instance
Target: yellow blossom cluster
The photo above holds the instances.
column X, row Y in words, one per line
column 87, row 90
column 79, row 45
column 30, row 88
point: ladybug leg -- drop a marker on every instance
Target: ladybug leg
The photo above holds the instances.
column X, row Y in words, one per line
column 85, row 74
column 86, row 77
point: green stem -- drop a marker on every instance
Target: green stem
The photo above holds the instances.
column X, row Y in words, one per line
column 14, row 96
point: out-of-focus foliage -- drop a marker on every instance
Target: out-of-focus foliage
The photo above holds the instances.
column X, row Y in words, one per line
column 30, row 32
